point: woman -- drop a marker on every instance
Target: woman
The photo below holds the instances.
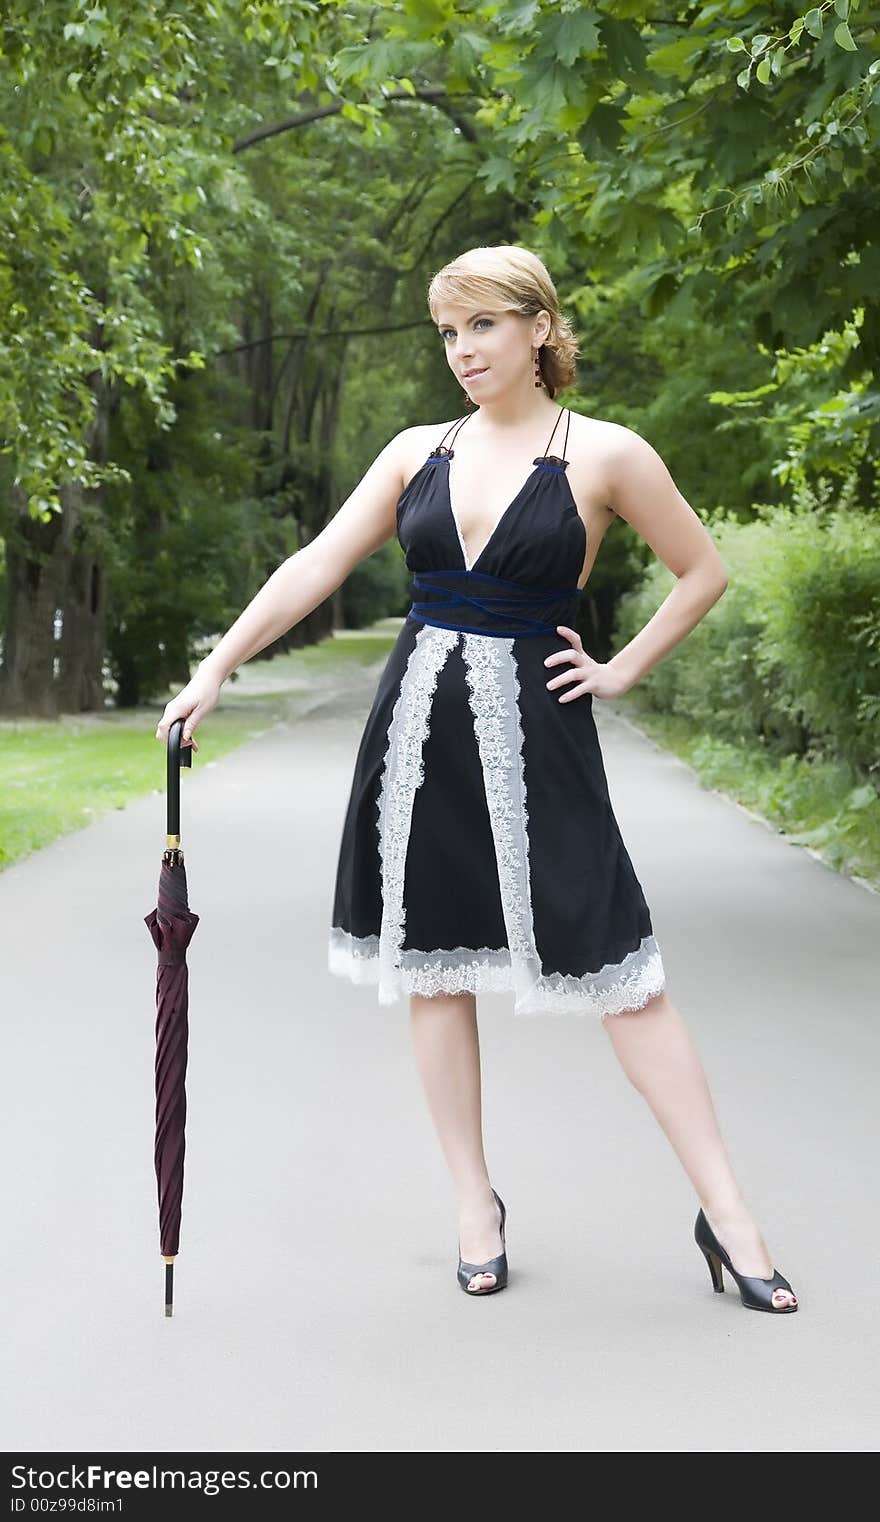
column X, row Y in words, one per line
column 480, row 849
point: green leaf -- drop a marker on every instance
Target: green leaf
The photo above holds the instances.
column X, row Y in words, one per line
column 497, row 172
column 735, row 45
column 763, row 71
column 575, row 34
column 843, row 37
column 813, row 23
column 842, row 8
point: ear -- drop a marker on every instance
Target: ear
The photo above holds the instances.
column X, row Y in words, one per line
column 543, row 324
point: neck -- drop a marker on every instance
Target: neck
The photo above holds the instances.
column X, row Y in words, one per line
column 516, row 411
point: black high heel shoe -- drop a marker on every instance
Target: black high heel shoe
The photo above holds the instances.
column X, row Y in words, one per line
column 496, row 1266
column 756, row 1294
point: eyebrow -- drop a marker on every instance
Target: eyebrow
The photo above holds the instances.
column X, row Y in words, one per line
column 470, row 318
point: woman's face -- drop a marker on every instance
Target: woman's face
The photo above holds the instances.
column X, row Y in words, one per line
column 497, row 346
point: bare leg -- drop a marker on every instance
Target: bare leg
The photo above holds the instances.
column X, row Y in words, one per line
column 447, row 1049
column 660, row 1059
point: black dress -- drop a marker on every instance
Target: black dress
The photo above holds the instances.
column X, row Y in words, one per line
column 480, row 849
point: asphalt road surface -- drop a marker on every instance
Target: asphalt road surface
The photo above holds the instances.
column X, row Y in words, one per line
column 316, row 1304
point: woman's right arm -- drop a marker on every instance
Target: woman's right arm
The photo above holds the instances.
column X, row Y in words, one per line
column 364, row 522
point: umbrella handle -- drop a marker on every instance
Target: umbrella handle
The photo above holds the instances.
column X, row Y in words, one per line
column 178, row 756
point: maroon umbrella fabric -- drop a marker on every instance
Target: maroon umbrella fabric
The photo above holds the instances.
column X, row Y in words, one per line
column 171, row 925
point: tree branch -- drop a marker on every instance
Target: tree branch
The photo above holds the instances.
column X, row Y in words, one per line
column 274, row 338
column 433, row 95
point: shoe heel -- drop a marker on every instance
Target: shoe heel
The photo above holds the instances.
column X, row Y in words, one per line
column 714, row 1263
column 756, row 1294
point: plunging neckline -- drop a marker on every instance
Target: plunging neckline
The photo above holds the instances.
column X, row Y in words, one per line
column 469, row 566
column 538, row 465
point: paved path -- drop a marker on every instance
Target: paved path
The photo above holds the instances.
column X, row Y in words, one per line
column 312, row 1164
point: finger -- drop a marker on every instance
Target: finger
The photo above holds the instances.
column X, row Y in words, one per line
column 569, row 633
column 574, row 674
column 576, row 692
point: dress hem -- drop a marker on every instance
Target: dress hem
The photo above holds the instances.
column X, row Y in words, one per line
column 616, row 989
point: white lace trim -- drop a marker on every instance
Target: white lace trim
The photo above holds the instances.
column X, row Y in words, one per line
column 614, row 989
column 402, row 773
column 493, row 694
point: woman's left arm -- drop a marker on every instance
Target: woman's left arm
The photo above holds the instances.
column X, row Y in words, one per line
column 641, row 490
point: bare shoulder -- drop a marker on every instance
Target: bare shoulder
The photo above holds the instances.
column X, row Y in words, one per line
column 599, row 437
column 593, row 446
column 620, row 448
column 414, row 444
column 638, row 487
column 368, row 516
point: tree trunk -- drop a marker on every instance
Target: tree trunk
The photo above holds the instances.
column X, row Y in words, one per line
column 128, row 683
column 320, row 622
column 51, row 570
column 37, row 561
column 84, row 632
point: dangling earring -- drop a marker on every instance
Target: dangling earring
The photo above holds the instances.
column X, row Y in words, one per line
column 539, row 380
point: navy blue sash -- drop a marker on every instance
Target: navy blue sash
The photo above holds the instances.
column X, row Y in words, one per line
column 508, row 613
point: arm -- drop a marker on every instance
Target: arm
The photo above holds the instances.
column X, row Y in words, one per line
column 301, row 583
column 643, row 492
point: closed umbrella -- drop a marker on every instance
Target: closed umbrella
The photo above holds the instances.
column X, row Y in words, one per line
column 171, row 925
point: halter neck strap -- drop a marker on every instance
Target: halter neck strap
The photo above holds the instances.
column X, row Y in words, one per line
column 546, row 455
column 459, row 423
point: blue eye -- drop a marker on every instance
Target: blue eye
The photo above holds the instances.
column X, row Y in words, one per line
column 444, row 331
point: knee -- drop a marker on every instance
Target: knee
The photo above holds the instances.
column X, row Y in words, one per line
column 629, row 1032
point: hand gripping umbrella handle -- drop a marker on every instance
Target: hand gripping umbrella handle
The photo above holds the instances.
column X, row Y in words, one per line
column 178, row 756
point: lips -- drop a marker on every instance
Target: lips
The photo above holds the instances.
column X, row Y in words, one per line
column 469, row 374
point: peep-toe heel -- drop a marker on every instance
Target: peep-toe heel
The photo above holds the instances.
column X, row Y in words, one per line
column 756, row 1294
column 496, row 1266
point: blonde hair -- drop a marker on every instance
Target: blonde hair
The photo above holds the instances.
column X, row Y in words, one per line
column 508, row 278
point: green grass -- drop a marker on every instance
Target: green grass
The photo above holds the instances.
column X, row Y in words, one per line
column 822, row 805
column 59, row 775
